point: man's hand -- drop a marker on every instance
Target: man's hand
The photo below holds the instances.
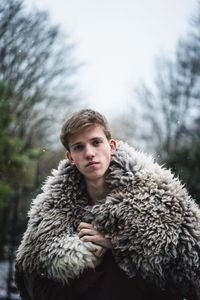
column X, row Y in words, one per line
column 99, row 251
column 87, row 233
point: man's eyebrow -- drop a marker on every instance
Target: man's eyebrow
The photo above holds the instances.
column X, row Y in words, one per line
column 77, row 143
column 96, row 137
column 92, row 139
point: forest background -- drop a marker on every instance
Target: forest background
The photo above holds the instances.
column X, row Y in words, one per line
column 38, row 90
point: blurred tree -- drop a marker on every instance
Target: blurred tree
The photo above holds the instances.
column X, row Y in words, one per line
column 6, row 145
column 166, row 113
column 167, row 110
column 12, row 161
column 185, row 162
column 36, row 91
column 36, row 60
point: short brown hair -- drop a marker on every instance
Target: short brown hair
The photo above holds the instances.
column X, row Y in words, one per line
column 82, row 119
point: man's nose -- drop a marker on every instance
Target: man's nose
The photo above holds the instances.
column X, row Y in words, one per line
column 89, row 152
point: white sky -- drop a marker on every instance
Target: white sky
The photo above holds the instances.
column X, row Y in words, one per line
column 118, row 41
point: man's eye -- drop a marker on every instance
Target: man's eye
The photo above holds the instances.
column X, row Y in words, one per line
column 78, row 148
column 96, row 143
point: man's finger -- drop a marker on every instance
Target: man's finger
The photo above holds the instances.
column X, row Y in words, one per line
column 83, row 232
column 91, row 238
column 83, row 225
column 99, row 251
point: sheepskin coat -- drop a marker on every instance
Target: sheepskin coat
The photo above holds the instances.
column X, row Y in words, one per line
column 151, row 220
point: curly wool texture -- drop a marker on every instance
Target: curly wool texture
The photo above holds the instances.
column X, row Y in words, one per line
column 50, row 245
column 153, row 224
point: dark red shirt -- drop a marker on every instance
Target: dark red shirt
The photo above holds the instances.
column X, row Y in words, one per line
column 107, row 282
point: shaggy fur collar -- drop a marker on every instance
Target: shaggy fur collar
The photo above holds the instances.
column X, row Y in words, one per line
column 152, row 222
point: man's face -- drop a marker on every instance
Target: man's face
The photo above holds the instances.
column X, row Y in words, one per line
column 91, row 152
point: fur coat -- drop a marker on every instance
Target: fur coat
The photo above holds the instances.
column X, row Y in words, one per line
column 153, row 224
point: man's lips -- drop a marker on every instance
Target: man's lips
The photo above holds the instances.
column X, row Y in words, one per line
column 91, row 163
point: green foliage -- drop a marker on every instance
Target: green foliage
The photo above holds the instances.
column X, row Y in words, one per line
column 13, row 156
column 5, row 192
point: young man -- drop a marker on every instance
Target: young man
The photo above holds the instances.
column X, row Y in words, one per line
column 110, row 224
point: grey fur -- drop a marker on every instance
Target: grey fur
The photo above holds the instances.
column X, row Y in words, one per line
column 148, row 214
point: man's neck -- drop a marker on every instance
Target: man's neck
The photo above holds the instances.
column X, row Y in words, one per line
column 96, row 190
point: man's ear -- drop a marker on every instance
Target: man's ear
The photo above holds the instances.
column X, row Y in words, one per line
column 113, row 145
column 69, row 156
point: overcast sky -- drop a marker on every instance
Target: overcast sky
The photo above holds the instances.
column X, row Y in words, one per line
column 118, row 41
